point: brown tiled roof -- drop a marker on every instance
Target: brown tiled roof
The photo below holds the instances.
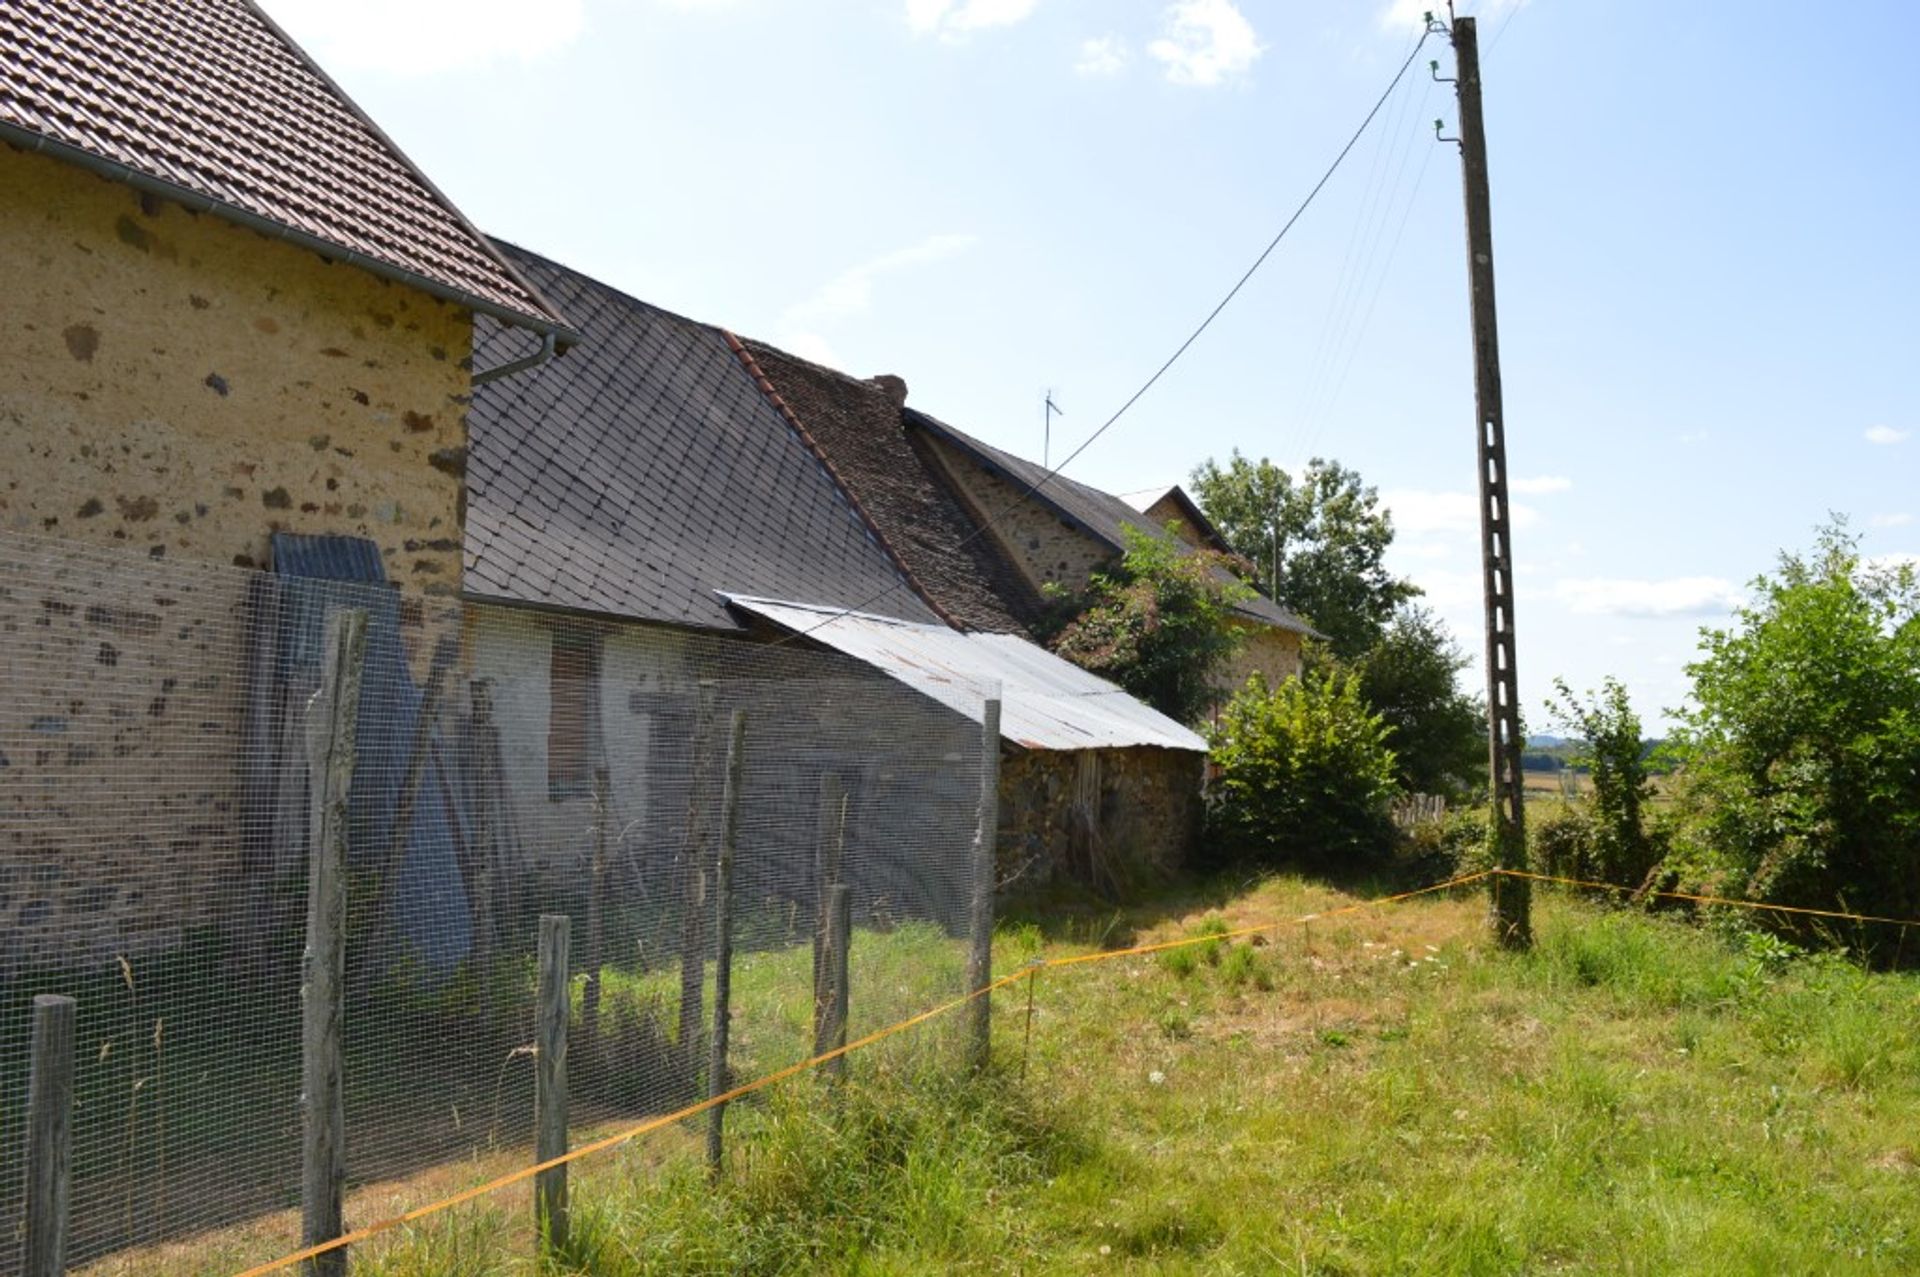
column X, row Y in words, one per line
column 858, row 428
column 211, row 102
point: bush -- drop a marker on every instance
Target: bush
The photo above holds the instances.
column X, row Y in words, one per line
column 1302, row 769
column 1450, row 847
column 1617, row 849
column 1800, row 779
column 1561, row 841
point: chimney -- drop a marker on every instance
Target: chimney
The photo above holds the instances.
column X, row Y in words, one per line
column 895, row 387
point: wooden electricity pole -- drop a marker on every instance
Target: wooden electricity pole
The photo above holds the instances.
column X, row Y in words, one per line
column 1510, row 905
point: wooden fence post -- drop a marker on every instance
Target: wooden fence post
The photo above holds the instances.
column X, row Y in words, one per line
column 331, row 725
column 833, row 1024
column 828, row 852
column 49, row 1137
column 596, row 928
column 550, row 1081
column 717, row 1076
column 981, row 880
column 693, row 902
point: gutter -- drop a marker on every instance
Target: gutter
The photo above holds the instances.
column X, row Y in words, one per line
column 555, row 337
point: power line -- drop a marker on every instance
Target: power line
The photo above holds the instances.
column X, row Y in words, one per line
column 1049, row 475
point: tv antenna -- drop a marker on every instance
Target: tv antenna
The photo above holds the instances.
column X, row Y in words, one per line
column 1046, row 436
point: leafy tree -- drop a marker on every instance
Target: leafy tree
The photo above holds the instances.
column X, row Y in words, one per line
column 1410, row 679
column 1302, row 769
column 1316, row 541
column 1159, row 624
column 1801, row 760
column 1612, row 750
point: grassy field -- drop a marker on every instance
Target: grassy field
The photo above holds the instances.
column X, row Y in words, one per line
column 1381, row 1093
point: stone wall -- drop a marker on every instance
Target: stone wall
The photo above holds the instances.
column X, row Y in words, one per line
column 1046, row 548
column 1107, row 818
column 1272, row 653
column 178, row 384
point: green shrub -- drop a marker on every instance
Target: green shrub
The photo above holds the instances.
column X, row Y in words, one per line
column 1561, row 841
column 1610, row 842
column 1454, row 845
column 1303, row 770
column 1800, row 779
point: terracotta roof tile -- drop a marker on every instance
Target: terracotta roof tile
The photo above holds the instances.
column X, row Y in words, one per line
column 858, row 427
column 211, row 98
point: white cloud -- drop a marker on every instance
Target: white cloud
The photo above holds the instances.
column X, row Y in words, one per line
column 1691, row 436
column 1899, row 520
column 1423, row 549
column 953, row 19
column 1205, row 43
column 1674, row 596
column 851, row 291
column 425, row 37
column 1541, row 485
column 1887, row 435
column 1102, row 56
column 1421, row 513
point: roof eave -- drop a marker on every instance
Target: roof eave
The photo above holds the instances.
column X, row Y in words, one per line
column 141, row 180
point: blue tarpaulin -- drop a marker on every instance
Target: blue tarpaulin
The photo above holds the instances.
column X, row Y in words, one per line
column 431, row 919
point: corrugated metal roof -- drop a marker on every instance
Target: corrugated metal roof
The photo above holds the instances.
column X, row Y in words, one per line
column 1045, row 702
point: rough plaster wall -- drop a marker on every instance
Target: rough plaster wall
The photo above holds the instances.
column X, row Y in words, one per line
column 119, row 679
column 175, row 382
column 513, row 649
column 1272, row 653
column 1149, row 813
column 1044, row 547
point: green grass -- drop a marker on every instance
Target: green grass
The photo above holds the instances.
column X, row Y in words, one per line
column 1379, row 1093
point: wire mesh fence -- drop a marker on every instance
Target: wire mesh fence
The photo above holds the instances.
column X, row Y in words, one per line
column 163, row 756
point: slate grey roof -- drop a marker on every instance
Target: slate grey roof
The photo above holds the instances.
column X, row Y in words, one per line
column 209, row 103
column 858, row 426
column 646, row 471
column 1100, row 515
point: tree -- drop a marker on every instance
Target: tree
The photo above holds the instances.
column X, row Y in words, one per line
column 1409, row 678
column 1613, row 751
column 1317, row 543
column 1801, row 760
column 1304, row 769
column 1159, row 624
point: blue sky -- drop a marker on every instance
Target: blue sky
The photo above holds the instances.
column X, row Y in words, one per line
column 1704, row 217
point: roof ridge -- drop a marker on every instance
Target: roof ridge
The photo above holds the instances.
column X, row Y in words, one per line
column 780, row 405
column 406, row 162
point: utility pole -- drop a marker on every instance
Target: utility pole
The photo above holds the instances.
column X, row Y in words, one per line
column 1510, row 906
column 1046, row 438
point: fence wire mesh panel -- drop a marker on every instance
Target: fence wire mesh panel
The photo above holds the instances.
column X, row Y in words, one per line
column 162, row 742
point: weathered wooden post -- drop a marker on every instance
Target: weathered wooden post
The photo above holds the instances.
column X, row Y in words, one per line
column 332, row 722
column 596, row 934
column 981, row 879
column 693, row 926
column 832, row 1033
column 550, row 1081
column 717, row 1076
column 49, row 1137
column 828, row 852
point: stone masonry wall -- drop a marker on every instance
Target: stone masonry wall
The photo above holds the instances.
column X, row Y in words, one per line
column 1145, row 820
column 1046, row 548
column 1272, row 653
column 176, row 383
column 174, row 390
